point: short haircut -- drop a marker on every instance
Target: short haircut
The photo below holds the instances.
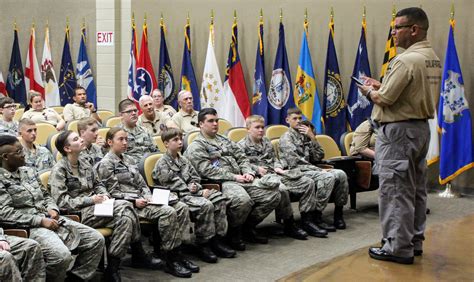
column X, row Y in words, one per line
column 111, row 134
column 83, row 123
column 25, row 121
column 415, row 15
column 124, row 104
column 7, row 140
column 62, row 142
column 253, row 118
column 6, row 100
column 79, row 88
column 169, row 133
column 144, row 97
column 32, row 94
column 293, row 111
column 181, row 93
column 204, row 112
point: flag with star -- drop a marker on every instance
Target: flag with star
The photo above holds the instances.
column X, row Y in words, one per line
column 132, row 65
column 165, row 72
column 84, row 72
column 16, row 79
column 67, row 77
column 188, row 78
column 259, row 95
column 145, row 79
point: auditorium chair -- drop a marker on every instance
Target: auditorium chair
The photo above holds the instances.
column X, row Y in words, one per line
column 58, row 109
column 276, row 147
column 51, row 143
column 275, row 131
column 236, row 133
column 44, row 130
column 72, row 125
column 112, row 121
column 224, row 125
column 345, row 142
column 18, row 114
column 105, row 114
column 159, row 143
column 102, row 132
column 189, row 137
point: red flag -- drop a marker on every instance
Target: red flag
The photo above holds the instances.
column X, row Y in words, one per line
column 145, row 79
column 33, row 79
column 3, row 89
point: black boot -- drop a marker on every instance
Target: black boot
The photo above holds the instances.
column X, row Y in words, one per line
column 250, row 234
column 206, row 254
column 221, row 249
column 234, row 236
column 173, row 267
column 339, row 222
column 292, row 230
column 142, row 260
column 186, row 262
column 111, row 273
column 311, row 228
column 318, row 220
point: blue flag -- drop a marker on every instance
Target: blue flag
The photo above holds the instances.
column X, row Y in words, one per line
column 259, row 96
column 188, row 79
column 280, row 92
column 333, row 104
column 165, row 72
column 16, row 78
column 67, row 78
column 84, row 73
column 358, row 107
column 454, row 118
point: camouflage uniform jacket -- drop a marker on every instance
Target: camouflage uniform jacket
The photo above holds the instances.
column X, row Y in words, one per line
column 73, row 192
column 218, row 159
column 23, row 201
column 140, row 142
column 10, row 128
column 177, row 175
column 121, row 175
column 260, row 155
column 93, row 154
column 297, row 149
column 40, row 159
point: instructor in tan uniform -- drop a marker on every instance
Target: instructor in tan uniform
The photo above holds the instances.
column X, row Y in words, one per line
column 402, row 104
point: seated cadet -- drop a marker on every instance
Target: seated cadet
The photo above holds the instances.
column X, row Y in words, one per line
column 218, row 159
column 300, row 149
column 207, row 206
column 20, row 259
column 363, row 142
column 150, row 119
column 76, row 188
column 120, row 175
column 159, row 103
column 140, row 140
column 25, row 204
column 38, row 113
column 80, row 108
column 37, row 157
column 7, row 124
column 93, row 143
column 186, row 118
column 259, row 151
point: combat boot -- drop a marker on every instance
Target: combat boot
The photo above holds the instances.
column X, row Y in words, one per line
column 234, row 236
column 311, row 228
column 173, row 267
column 142, row 260
column 111, row 273
column 221, row 249
column 186, row 262
column 250, row 234
column 206, row 254
column 292, row 230
column 339, row 222
column 318, row 220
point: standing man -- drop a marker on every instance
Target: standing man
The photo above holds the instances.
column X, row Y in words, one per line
column 80, row 108
column 160, row 107
column 186, row 118
column 150, row 119
column 403, row 104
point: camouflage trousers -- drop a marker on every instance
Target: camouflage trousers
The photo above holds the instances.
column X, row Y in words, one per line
column 173, row 223
column 58, row 257
column 25, row 255
column 324, row 184
column 303, row 188
column 125, row 225
column 341, row 187
column 209, row 217
column 249, row 202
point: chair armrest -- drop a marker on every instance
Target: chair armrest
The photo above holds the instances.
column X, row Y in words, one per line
column 16, row 232
column 214, row 186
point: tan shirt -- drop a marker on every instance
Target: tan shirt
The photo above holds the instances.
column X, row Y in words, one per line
column 153, row 126
column 363, row 138
column 410, row 86
column 75, row 111
column 167, row 111
column 183, row 120
column 46, row 115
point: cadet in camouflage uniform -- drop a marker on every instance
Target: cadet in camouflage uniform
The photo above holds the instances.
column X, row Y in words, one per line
column 120, row 175
column 37, row 157
column 217, row 158
column 93, row 143
column 207, row 206
column 20, row 254
column 75, row 187
column 140, row 141
column 7, row 124
column 300, row 149
column 263, row 161
column 23, row 203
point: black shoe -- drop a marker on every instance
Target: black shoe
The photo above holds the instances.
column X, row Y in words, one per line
column 189, row 265
column 418, row 253
column 176, row 269
column 206, row 254
column 234, row 236
column 339, row 223
column 220, row 249
column 111, row 273
column 148, row 262
column 250, row 235
column 291, row 230
column 311, row 228
column 318, row 220
column 380, row 254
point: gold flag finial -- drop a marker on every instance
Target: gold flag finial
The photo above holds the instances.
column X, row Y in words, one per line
column 47, row 23
column 305, row 14
column 261, row 14
column 83, row 23
column 235, row 16
column 15, row 27
column 133, row 18
column 332, row 12
column 394, row 12
column 187, row 19
column 212, row 16
column 33, row 24
column 364, row 14
column 452, row 11
column 162, row 21
column 144, row 19
column 281, row 15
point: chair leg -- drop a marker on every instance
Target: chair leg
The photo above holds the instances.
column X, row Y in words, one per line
column 353, row 195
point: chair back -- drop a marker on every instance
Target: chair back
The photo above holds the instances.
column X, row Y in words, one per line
column 345, row 143
column 105, row 114
column 51, row 142
column 146, row 166
column 18, row 114
column 44, row 177
column 159, row 143
column 330, row 147
column 44, row 130
column 102, row 132
column 224, row 125
column 72, row 125
column 275, row 131
column 236, row 133
column 113, row 121
column 58, row 109
column 189, row 137
column 276, row 147
column 58, row 156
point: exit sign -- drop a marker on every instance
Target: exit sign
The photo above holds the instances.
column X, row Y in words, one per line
column 105, row 38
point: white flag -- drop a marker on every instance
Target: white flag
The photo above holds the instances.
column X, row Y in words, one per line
column 433, row 150
column 212, row 94
column 51, row 89
column 33, row 79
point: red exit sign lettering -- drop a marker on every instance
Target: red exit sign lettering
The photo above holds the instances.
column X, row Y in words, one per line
column 105, row 38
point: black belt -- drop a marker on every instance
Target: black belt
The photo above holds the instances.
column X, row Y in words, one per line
column 406, row 120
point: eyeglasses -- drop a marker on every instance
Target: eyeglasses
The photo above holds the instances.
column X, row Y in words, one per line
column 10, row 107
column 130, row 111
column 398, row 27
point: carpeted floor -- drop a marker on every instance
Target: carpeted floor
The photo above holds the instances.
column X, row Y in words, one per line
column 283, row 256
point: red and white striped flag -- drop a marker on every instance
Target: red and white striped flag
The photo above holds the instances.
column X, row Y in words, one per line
column 33, row 79
column 3, row 89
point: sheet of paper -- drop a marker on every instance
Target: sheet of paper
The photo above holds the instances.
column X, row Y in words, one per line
column 160, row 197
column 105, row 209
